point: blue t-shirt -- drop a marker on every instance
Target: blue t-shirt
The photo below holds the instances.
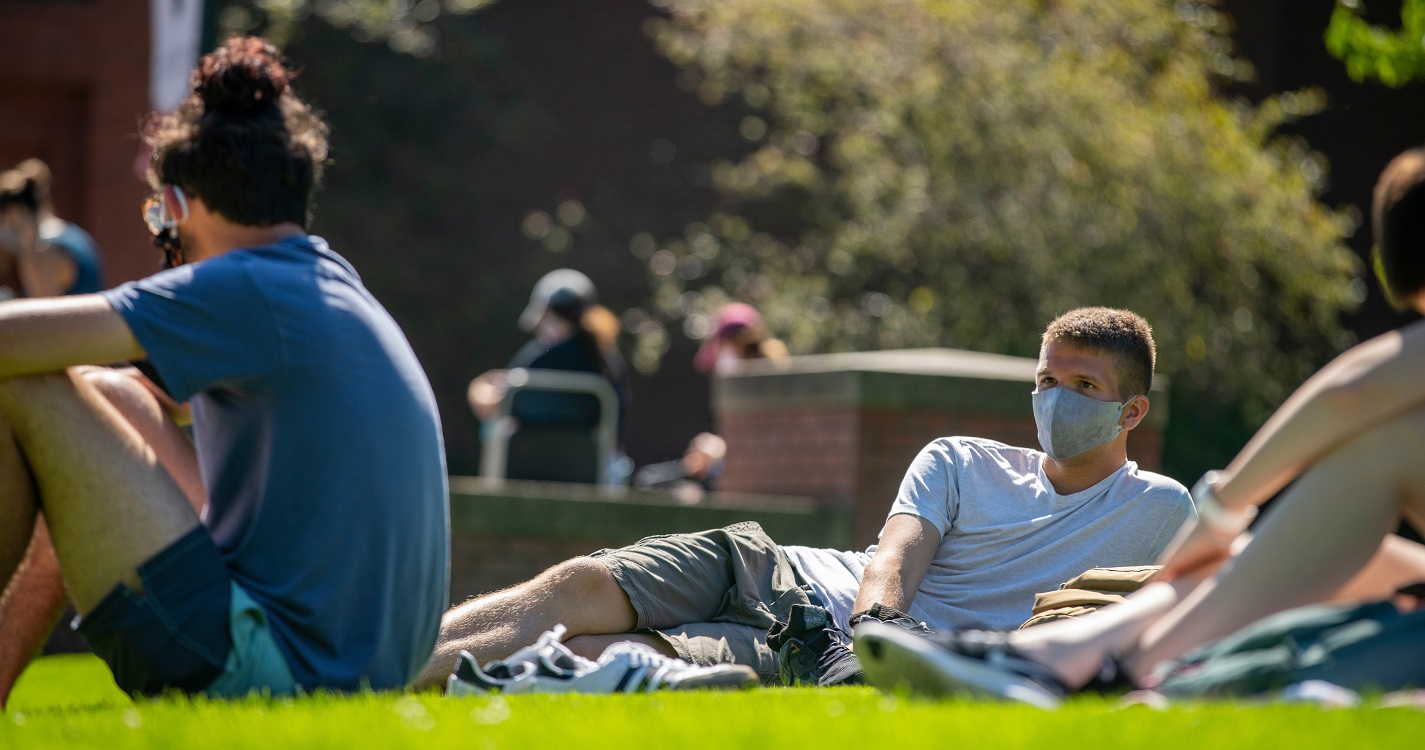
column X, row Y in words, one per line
column 79, row 246
column 320, row 447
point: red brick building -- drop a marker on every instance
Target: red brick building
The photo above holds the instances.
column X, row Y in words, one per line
column 73, row 92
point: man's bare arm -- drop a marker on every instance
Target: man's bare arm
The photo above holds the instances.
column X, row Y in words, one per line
column 48, row 335
column 908, row 544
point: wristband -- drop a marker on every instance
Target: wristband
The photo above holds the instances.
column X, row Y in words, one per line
column 1213, row 514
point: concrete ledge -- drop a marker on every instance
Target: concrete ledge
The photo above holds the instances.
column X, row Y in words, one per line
column 946, row 380
column 566, row 512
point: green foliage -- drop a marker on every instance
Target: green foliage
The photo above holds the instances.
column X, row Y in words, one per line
column 957, row 173
column 51, row 709
column 403, row 24
column 1393, row 57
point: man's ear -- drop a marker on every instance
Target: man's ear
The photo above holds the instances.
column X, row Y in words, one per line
column 1134, row 412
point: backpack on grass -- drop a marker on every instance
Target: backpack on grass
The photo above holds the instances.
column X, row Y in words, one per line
column 1364, row 647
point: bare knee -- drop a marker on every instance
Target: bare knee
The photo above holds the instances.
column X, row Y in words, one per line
column 588, row 596
column 581, row 577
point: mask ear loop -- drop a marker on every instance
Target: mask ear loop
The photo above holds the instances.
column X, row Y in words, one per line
column 175, row 210
column 175, row 203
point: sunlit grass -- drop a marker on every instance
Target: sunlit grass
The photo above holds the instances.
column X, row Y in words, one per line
column 71, row 702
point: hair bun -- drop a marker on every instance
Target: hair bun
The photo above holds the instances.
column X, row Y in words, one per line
column 243, row 75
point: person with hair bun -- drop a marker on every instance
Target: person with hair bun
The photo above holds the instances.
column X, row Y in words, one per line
column 300, row 541
column 50, row 256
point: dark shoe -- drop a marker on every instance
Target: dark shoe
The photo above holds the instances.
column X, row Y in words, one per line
column 811, row 652
column 881, row 613
column 969, row 662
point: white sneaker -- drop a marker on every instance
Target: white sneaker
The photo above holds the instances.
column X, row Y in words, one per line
column 497, row 677
column 547, row 657
column 636, row 668
column 548, row 666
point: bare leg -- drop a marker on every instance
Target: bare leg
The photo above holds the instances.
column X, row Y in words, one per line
column 579, row 593
column 1329, row 526
column 1399, row 562
column 592, row 646
column 30, row 607
column 35, row 597
column 109, row 504
column 1323, row 542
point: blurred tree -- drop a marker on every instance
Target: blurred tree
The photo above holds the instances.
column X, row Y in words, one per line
column 949, row 172
column 403, row 24
column 1392, row 56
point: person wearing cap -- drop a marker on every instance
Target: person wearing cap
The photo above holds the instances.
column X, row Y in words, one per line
column 572, row 332
column 738, row 335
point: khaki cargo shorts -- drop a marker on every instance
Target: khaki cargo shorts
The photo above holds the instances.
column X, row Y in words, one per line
column 711, row 595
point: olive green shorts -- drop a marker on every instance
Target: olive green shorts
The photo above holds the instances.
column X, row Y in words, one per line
column 711, row 595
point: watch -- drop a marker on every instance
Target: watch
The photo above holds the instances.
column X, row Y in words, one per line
column 1215, row 515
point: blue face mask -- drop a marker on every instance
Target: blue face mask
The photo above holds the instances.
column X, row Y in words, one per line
column 1071, row 423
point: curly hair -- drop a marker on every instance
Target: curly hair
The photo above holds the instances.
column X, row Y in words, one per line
column 242, row 141
column 1122, row 333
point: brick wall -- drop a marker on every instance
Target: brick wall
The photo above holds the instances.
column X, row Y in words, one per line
column 73, row 91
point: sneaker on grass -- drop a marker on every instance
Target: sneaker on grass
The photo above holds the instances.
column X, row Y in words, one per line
column 811, row 651
column 515, row 674
column 548, row 666
column 962, row 663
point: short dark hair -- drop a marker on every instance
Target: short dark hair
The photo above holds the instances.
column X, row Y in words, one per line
column 242, row 141
column 1398, row 221
column 18, row 188
column 1122, row 333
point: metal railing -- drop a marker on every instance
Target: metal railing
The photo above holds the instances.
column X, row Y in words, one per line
column 495, row 454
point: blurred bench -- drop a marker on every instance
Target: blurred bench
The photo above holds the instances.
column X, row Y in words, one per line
column 552, row 452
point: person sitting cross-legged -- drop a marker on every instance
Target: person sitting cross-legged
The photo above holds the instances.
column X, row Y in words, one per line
column 977, row 528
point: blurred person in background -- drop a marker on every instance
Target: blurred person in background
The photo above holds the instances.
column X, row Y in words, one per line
column 50, row 257
column 739, row 335
column 573, row 333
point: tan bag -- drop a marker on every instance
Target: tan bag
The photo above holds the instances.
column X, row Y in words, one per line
column 1088, row 591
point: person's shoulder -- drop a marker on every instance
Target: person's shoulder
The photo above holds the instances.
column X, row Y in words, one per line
column 978, row 447
column 1155, row 486
column 969, row 452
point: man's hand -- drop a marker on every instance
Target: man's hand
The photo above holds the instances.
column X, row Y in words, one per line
column 1198, row 550
column 485, row 393
column 907, row 546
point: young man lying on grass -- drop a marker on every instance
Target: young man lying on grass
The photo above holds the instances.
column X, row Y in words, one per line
column 977, row 529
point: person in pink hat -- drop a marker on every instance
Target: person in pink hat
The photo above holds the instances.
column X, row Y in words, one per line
column 739, row 335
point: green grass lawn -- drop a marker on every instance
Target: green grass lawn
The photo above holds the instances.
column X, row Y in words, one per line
column 70, row 701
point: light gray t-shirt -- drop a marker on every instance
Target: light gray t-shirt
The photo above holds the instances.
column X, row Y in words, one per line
column 1006, row 534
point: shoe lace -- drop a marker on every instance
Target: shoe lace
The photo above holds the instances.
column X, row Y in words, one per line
column 648, row 669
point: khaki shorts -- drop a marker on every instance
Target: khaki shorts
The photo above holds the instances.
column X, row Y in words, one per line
column 711, row 595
